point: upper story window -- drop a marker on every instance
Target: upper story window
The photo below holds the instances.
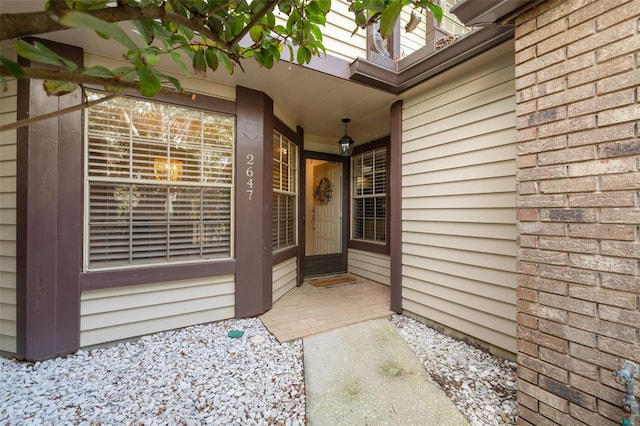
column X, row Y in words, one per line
column 450, row 22
column 158, row 184
column 285, row 190
column 369, row 196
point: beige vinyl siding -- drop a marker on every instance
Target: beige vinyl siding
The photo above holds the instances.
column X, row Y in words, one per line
column 112, row 314
column 416, row 39
column 8, row 106
column 338, row 40
column 459, row 199
column 373, row 266
column 284, row 278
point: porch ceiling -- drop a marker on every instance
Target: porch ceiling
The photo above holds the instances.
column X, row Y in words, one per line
column 310, row 98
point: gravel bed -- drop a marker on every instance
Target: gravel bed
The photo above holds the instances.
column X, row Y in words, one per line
column 200, row 375
column 196, row 375
column 482, row 386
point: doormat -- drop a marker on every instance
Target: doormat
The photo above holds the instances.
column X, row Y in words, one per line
column 332, row 281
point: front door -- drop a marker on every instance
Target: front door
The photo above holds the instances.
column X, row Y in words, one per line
column 324, row 215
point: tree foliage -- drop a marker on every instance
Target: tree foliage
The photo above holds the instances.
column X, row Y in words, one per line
column 197, row 35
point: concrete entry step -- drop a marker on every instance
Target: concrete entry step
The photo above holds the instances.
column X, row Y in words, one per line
column 365, row 374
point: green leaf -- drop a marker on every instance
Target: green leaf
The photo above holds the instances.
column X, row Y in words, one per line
column 374, row 5
column 279, row 29
column 150, row 84
column 176, row 57
column 303, row 55
column 38, row 52
column 59, row 88
column 114, row 31
column 256, row 33
column 211, row 56
column 199, row 63
column 174, row 81
column 324, row 5
column 317, row 33
column 435, row 10
column 389, row 18
column 224, row 58
column 98, row 71
column 146, row 29
column 14, row 68
column 268, row 60
column 126, row 73
column 151, row 58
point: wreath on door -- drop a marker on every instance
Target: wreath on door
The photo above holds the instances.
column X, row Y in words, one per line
column 323, row 192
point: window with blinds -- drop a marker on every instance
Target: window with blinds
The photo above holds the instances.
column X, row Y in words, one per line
column 285, row 168
column 369, row 199
column 158, row 183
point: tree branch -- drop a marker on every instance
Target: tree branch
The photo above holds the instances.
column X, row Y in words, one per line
column 45, row 74
column 254, row 20
column 16, row 25
column 57, row 113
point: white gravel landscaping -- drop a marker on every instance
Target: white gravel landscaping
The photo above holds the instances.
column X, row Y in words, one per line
column 200, row 375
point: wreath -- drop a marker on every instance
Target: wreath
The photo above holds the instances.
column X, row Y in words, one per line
column 323, row 192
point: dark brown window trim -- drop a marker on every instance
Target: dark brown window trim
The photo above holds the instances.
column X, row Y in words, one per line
column 286, row 131
column 382, row 248
column 285, row 254
column 96, row 280
column 203, row 102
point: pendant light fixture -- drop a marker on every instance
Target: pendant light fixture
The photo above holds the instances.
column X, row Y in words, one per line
column 346, row 142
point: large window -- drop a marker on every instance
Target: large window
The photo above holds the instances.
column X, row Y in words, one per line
column 285, row 167
column 158, row 184
column 369, row 192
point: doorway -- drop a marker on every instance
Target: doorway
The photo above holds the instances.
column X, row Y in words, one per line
column 326, row 214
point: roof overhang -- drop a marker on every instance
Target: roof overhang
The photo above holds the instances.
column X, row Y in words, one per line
column 475, row 13
column 426, row 63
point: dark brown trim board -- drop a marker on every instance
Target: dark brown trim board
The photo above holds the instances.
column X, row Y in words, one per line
column 302, row 181
column 96, row 280
column 254, row 209
column 395, row 201
column 426, row 63
column 49, row 220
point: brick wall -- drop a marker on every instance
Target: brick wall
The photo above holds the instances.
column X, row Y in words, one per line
column 578, row 157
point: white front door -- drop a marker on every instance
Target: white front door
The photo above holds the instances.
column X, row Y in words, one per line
column 324, row 209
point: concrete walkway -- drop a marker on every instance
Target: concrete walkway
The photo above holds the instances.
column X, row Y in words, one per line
column 365, row 374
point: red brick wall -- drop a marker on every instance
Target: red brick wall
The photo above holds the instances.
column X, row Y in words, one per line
column 578, row 158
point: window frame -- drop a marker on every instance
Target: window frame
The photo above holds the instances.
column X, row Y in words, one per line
column 94, row 277
column 366, row 245
column 294, row 176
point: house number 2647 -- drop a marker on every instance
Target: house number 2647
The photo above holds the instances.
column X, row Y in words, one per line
column 249, row 173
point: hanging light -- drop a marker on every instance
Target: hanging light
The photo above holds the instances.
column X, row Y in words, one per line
column 345, row 142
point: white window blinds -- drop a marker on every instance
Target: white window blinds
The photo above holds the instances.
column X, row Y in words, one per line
column 158, row 183
column 369, row 189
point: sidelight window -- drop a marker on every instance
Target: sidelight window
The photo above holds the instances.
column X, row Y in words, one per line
column 285, row 169
column 369, row 196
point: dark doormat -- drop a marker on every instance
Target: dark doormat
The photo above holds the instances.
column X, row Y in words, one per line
column 333, row 281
